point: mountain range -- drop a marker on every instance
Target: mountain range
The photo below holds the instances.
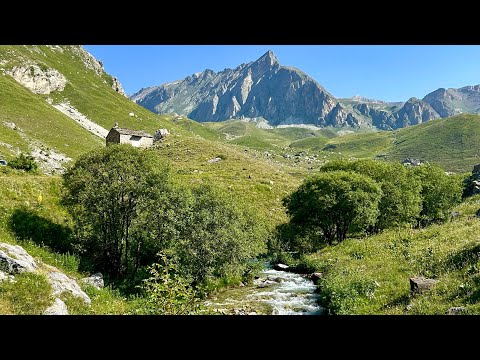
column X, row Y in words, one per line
column 284, row 95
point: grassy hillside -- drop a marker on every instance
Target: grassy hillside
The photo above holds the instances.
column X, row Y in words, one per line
column 371, row 276
column 40, row 227
column 453, row 142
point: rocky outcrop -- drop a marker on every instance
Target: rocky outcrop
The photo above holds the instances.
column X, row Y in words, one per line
column 62, row 283
column 57, row 308
column 39, row 80
column 414, row 112
column 117, row 86
column 96, row 280
column 88, row 59
column 449, row 102
column 15, row 260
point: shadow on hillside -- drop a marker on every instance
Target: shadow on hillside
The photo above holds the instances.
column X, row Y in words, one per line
column 463, row 258
column 26, row 224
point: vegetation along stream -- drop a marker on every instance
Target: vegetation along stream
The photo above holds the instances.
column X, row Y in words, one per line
column 273, row 293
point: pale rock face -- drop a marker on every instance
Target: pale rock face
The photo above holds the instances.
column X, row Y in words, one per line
column 62, row 283
column 96, row 280
column 117, row 86
column 38, row 80
column 14, row 259
column 57, row 308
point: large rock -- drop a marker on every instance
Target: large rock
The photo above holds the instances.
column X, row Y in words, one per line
column 96, row 280
column 62, row 283
column 117, row 86
column 315, row 277
column 14, row 259
column 57, row 308
column 418, row 285
column 38, row 80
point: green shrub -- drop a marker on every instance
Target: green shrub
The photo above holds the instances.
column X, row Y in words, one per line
column 24, row 162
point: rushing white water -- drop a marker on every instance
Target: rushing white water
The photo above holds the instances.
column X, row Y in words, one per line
column 276, row 292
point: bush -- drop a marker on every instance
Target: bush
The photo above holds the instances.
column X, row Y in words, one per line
column 24, row 162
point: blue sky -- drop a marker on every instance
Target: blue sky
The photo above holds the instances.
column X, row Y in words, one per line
column 384, row 72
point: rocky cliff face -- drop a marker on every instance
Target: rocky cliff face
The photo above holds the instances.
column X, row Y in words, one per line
column 449, row 102
column 263, row 88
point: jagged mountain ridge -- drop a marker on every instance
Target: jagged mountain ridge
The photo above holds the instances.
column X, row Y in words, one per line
column 263, row 88
column 285, row 95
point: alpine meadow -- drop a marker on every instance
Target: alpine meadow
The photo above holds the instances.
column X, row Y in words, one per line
column 245, row 191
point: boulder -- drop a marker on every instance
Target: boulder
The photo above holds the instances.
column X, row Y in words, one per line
column 419, row 285
column 214, row 160
column 14, row 259
column 281, row 267
column 62, row 283
column 454, row 214
column 456, row 310
column 96, row 280
column 57, row 308
column 315, row 277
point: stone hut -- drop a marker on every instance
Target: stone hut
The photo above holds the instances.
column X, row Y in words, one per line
column 136, row 138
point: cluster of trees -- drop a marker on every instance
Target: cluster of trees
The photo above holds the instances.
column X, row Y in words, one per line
column 128, row 207
column 365, row 196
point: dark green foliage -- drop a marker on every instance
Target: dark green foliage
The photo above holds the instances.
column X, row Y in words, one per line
column 211, row 233
column 336, row 202
column 24, row 162
column 440, row 193
column 401, row 200
column 127, row 208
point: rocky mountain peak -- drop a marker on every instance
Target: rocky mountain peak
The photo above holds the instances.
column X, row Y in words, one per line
column 268, row 58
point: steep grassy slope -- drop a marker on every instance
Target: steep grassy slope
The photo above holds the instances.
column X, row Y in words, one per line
column 371, row 276
column 36, row 120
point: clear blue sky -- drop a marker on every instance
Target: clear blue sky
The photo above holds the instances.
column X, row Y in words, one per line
column 384, row 72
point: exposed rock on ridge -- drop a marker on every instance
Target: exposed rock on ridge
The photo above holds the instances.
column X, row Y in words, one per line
column 38, row 80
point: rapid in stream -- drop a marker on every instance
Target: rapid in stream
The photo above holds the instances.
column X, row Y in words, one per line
column 274, row 292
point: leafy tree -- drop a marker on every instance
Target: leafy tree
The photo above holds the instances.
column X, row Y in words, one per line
column 440, row 193
column 401, row 200
column 104, row 190
column 336, row 202
column 24, row 162
column 216, row 235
